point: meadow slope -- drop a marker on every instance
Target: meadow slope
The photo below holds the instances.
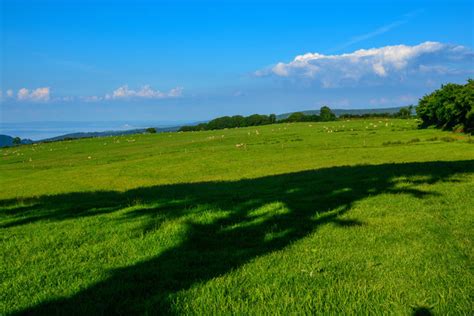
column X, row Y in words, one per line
column 361, row 216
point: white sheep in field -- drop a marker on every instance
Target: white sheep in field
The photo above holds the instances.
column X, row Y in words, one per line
column 240, row 145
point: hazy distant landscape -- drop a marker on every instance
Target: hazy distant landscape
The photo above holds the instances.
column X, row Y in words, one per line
column 236, row 157
column 45, row 130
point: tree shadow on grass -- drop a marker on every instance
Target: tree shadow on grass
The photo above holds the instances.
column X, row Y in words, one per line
column 311, row 199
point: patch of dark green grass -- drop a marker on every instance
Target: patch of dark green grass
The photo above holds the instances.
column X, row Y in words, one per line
column 448, row 139
column 395, row 142
column 413, row 140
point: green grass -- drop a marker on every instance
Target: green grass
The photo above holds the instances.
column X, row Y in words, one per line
column 356, row 216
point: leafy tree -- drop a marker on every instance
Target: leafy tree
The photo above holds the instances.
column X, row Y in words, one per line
column 404, row 112
column 296, row 117
column 272, row 118
column 326, row 114
column 16, row 141
column 151, row 130
column 238, row 121
column 450, row 107
column 256, row 119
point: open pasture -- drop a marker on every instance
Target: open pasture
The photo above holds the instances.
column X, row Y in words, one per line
column 357, row 216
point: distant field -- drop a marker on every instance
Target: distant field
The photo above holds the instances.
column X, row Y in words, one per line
column 361, row 216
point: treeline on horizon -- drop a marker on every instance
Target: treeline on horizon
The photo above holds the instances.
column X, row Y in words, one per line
column 325, row 115
column 403, row 113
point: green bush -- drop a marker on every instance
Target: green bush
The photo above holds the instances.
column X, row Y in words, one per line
column 449, row 108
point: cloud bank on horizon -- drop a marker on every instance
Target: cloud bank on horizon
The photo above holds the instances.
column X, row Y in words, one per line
column 377, row 65
column 43, row 94
column 146, row 92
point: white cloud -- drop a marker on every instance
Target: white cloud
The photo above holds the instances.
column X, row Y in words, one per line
column 375, row 64
column 176, row 92
column 36, row 95
column 379, row 69
column 23, row 94
column 9, row 93
column 145, row 92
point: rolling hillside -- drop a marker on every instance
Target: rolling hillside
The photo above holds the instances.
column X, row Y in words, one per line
column 345, row 217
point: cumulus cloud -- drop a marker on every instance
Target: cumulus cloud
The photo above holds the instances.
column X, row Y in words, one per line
column 376, row 64
column 145, row 92
column 36, row 95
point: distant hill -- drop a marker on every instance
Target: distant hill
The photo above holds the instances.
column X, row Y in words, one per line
column 6, row 140
column 340, row 112
column 108, row 133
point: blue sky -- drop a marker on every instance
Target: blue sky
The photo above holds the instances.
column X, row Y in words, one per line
column 195, row 60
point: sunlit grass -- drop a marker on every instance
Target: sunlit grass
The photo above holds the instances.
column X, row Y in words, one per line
column 341, row 217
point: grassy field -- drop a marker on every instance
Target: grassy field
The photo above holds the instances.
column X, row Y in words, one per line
column 364, row 217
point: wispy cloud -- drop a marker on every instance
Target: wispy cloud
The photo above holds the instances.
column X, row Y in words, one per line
column 379, row 31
